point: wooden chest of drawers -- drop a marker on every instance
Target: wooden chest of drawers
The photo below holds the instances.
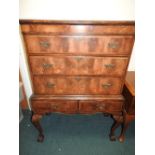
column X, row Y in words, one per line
column 77, row 66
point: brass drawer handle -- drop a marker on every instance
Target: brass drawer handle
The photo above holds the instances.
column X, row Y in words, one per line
column 101, row 107
column 109, row 65
column 50, row 85
column 77, row 78
column 54, row 107
column 44, row 44
column 46, row 66
column 106, row 85
column 113, row 45
column 78, row 58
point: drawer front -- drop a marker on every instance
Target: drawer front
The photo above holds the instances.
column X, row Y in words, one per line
column 77, row 85
column 111, row 45
column 65, row 106
column 78, row 65
column 87, row 107
column 76, row 29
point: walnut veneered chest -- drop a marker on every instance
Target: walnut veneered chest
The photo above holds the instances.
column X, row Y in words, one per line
column 77, row 66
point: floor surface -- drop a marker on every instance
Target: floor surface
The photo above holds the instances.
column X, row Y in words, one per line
column 74, row 135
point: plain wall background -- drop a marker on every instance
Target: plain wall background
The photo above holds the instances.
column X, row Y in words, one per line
column 71, row 10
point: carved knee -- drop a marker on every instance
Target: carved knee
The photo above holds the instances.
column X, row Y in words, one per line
column 36, row 118
column 118, row 118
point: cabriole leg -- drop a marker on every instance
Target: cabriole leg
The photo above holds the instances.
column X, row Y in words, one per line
column 125, row 124
column 117, row 122
column 36, row 122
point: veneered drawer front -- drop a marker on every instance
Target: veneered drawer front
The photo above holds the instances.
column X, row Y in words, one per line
column 62, row 106
column 77, row 85
column 78, row 65
column 100, row 106
column 111, row 45
column 76, row 29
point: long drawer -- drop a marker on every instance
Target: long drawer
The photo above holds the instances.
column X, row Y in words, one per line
column 77, row 85
column 101, row 45
column 89, row 29
column 78, row 65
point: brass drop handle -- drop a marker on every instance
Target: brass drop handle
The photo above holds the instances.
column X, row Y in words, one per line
column 78, row 58
column 54, row 107
column 44, row 44
column 109, row 66
column 106, row 85
column 113, row 45
column 46, row 66
column 50, row 85
column 77, row 78
column 100, row 106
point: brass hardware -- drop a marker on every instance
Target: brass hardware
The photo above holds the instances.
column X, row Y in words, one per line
column 109, row 65
column 100, row 107
column 44, row 44
column 106, row 85
column 113, row 45
column 50, row 85
column 78, row 58
column 47, row 65
column 54, row 107
column 77, row 78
